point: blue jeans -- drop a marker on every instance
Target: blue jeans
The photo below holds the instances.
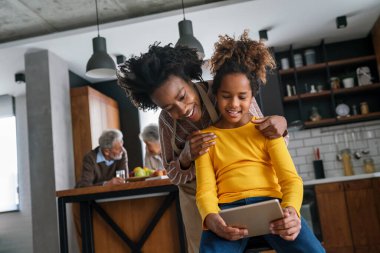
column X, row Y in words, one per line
column 305, row 242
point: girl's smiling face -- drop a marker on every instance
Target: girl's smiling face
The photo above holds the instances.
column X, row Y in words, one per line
column 234, row 98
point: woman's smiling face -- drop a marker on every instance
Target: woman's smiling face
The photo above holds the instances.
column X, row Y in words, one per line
column 234, row 98
column 178, row 98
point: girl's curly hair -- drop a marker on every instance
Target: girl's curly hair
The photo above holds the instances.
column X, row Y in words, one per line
column 244, row 56
column 141, row 75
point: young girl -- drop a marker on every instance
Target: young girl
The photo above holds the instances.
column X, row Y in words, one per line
column 243, row 167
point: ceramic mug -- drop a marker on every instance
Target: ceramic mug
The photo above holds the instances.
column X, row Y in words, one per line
column 348, row 82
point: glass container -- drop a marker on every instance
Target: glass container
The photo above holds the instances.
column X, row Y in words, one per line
column 347, row 163
column 368, row 165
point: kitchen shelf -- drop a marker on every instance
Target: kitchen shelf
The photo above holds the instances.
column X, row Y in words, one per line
column 335, row 59
column 324, row 93
column 351, row 61
column 303, row 68
column 317, row 66
column 334, row 121
column 357, row 89
column 291, row 98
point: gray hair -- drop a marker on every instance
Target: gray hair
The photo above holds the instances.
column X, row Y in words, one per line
column 109, row 137
column 150, row 133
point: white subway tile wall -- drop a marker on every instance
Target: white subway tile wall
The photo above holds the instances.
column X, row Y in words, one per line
column 358, row 137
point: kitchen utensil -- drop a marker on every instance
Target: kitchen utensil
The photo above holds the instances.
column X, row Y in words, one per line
column 338, row 155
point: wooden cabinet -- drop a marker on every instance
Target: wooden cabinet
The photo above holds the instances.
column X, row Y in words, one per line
column 332, row 60
column 349, row 216
column 91, row 112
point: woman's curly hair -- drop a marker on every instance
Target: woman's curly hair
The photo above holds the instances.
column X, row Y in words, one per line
column 141, row 75
column 244, row 56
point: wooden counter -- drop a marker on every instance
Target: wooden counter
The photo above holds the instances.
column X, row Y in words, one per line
column 141, row 216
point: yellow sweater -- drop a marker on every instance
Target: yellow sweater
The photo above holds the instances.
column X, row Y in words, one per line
column 243, row 164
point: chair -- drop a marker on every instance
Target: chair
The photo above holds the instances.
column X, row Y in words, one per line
column 257, row 244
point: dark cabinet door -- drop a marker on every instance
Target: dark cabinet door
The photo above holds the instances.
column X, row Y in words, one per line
column 334, row 218
column 269, row 97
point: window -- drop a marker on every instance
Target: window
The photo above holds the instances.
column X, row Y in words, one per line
column 9, row 200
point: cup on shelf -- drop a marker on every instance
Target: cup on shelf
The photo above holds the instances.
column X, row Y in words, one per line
column 348, row 82
column 284, row 63
column 310, row 56
column 298, row 60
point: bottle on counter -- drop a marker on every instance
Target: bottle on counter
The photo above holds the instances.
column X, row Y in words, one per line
column 347, row 163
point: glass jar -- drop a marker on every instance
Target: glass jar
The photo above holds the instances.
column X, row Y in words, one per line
column 368, row 165
column 364, row 108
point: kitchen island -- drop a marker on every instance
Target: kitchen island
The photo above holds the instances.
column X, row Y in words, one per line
column 141, row 216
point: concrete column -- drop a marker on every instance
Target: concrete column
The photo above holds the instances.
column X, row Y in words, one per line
column 50, row 142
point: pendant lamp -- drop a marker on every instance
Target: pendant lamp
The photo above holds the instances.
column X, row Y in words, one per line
column 186, row 37
column 100, row 65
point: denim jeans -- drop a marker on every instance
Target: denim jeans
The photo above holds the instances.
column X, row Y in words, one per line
column 305, row 242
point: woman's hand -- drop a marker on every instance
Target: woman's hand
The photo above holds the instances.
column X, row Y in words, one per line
column 271, row 127
column 200, row 143
column 289, row 226
column 216, row 224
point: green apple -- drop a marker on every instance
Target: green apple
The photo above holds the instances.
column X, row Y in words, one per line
column 140, row 173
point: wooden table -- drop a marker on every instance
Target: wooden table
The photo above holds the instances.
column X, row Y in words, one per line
column 135, row 217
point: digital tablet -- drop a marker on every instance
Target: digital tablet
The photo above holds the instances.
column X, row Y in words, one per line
column 255, row 217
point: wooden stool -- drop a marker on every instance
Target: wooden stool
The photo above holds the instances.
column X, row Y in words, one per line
column 257, row 244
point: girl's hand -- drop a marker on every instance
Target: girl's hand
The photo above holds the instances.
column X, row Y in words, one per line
column 289, row 226
column 200, row 143
column 271, row 127
column 216, row 224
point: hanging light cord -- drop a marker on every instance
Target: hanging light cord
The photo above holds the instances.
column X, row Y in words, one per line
column 97, row 17
column 183, row 10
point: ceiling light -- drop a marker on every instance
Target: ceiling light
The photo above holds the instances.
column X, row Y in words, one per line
column 20, row 78
column 341, row 22
column 263, row 35
column 100, row 65
column 186, row 37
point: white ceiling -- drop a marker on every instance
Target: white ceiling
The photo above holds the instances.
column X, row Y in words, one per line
column 298, row 22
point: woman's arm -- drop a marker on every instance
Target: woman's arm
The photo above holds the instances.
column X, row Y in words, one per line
column 171, row 160
column 292, row 188
column 271, row 126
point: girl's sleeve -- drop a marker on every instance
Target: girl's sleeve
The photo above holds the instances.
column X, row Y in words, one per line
column 289, row 180
column 206, row 197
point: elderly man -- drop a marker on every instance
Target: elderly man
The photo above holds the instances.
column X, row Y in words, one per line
column 100, row 165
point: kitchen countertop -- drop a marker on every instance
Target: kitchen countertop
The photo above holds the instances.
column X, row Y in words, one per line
column 340, row 179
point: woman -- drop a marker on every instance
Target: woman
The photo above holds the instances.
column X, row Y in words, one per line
column 151, row 138
column 162, row 78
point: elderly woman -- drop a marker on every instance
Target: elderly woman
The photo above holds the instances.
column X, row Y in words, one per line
column 151, row 138
column 163, row 78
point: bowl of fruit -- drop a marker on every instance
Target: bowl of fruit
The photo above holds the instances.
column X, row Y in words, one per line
column 142, row 173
